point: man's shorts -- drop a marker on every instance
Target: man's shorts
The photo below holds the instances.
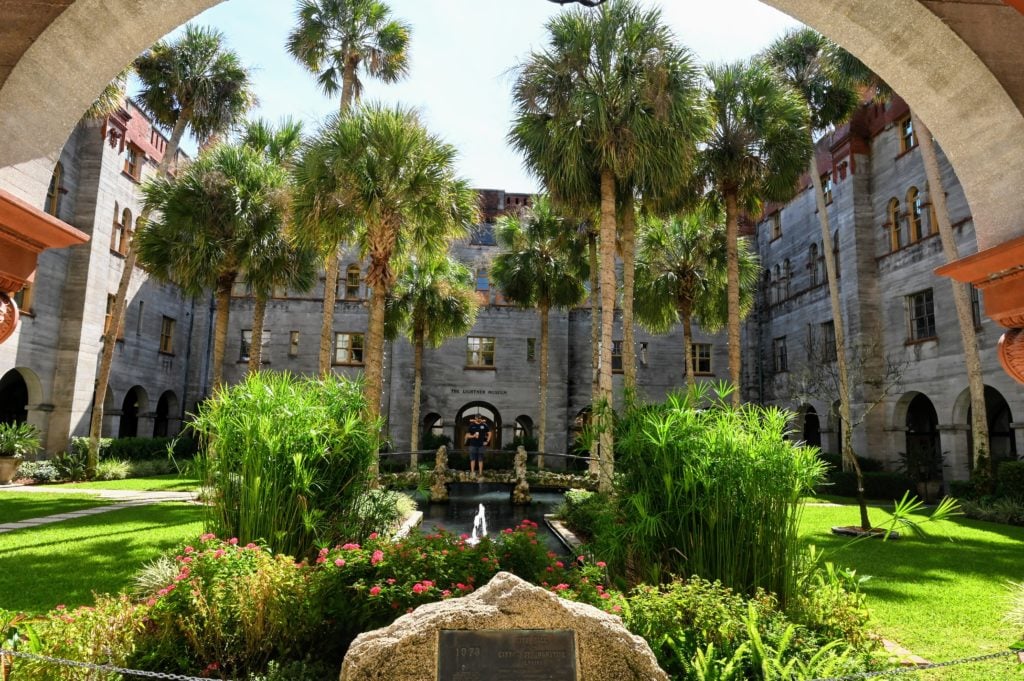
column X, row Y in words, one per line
column 476, row 453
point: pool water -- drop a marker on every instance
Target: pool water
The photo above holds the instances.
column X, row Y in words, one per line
column 465, row 498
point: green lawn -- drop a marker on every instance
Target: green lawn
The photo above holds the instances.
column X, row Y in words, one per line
column 15, row 506
column 157, row 483
column 944, row 596
column 64, row 563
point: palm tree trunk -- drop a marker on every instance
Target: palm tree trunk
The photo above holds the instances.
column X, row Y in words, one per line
column 691, row 379
column 417, row 385
column 595, row 335
column 120, row 305
column 984, row 467
column 330, row 299
column 374, row 358
column 846, row 421
column 542, row 429
column 259, row 312
column 732, row 237
column 348, row 84
column 220, row 330
column 628, row 245
column 604, row 408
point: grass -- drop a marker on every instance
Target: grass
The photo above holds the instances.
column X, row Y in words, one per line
column 64, row 563
column 944, row 596
column 156, row 483
column 15, row 506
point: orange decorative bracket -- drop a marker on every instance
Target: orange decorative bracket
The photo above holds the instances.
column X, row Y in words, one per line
column 25, row 232
column 999, row 273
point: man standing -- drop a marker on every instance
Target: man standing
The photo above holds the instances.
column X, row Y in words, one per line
column 478, row 436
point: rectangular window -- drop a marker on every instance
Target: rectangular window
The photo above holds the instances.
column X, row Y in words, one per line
column 617, row 356
column 643, row 354
column 243, row 349
column 776, row 221
column 483, row 283
column 293, row 344
column 826, row 187
column 920, row 316
column 133, row 162
column 353, row 279
column 975, row 306
column 138, row 320
column 479, row 352
column 828, row 342
column 780, row 355
column 700, row 359
column 24, row 299
column 531, row 349
column 348, row 348
column 908, row 138
column 110, row 313
column 167, row 336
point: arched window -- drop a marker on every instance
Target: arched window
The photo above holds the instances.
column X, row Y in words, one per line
column 895, row 233
column 812, row 264
column 353, row 279
column 777, row 285
column 787, row 275
column 124, row 231
column 115, row 229
column 914, row 214
column 55, row 190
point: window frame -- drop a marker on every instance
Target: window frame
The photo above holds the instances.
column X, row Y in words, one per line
column 54, row 191
column 828, row 341
column 486, row 346
column 167, row 328
column 352, row 349
column 698, row 357
column 617, row 356
column 776, row 225
column 134, row 157
column 827, row 187
column 915, row 216
column 353, row 292
column 293, row 343
column 24, row 298
column 780, row 355
column 907, row 134
column 531, row 349
column 919, row 311
column 895, row 228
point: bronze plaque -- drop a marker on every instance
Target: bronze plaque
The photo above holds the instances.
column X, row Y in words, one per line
column 506, row 655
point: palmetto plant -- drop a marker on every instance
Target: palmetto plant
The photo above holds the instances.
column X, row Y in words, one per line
column 433, row 299
column 542, row 265
column 216, row 221
column 193, row 84
column 606, row 107
column 336, row 40
column 19, row 439
column 377, row 179
column 756, row 152
column 681, row 275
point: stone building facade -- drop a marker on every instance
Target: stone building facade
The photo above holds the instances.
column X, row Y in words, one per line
column 48, row 367
column 905, row 350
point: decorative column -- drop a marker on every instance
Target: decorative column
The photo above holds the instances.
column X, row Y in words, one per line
column 999, row 273
column 25, row 232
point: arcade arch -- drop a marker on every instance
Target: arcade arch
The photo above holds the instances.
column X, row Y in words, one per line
column 134, row 405
column 19, row 389
column 491, row 416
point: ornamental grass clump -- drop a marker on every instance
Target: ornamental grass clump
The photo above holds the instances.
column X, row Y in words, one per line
column 288, row 459
column 711, row 490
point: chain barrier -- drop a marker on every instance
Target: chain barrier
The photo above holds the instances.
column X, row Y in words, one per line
column 99, row 667
column 918, row 668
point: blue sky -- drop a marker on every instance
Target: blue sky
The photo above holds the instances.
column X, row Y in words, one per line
column 461, row 55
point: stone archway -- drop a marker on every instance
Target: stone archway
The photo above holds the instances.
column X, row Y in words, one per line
column 491, row 415
column 132, row 409
column 166, row 409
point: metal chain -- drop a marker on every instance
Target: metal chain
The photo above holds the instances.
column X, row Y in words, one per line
column 100, row 667
column 918, row 668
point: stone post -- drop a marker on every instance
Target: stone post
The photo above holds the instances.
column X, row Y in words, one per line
column 439, row 477
column 521, row 492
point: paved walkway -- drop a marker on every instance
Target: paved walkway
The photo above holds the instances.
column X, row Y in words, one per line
column 122, row 498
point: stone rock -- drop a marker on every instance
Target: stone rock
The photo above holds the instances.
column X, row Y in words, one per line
column 407, row 649
column 521, row 492
column 438, row 478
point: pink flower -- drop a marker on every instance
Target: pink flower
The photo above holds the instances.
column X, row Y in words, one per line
column 560, row 587
column 320, row 560
column 418, row 588
column 218, row 553
column 340, row 562
column 374, row 590
column 250, row 545
column 427, row 583
column 350, row 547
column 581, row 559
column 601, row 564
column 374, row 535
column 208, row 536
column 617, row 608
column 463, row 536
column 559, row 563
column 189, row 549
column 391, row 580
column 446, row 593
column 233, row 541
column 378, row 556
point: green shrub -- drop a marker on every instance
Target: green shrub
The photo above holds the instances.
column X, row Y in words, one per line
column 39, row 471
column 881, row 485
column 964, row 490
column 296, row 671
column 1003, row 510
column 70, row 465
column 138, row 448
column 1010, row 480
column 434, row 442
column 113, row 469
column 696, row 483
column 288, row 458
column 589, row 514
column 150, row 467
column 528, row 442
column 19, row 439
column 867, row 465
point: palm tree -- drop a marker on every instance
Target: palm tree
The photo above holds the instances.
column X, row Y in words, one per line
column 111, row 98
column 277, row 262
column 809, row 63
column 609, row 105
column 433, row 299
column 681, row 275
column 375, row 177
column 214, row 222
column 192, row 84
column 756, row 152
column 334, row 40
column 984, row 466
column 541, row 265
